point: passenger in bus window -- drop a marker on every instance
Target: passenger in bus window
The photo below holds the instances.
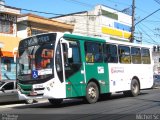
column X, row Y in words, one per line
column 98, row 57
column 89, row 57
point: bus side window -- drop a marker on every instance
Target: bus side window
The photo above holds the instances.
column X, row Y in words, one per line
column 136, row 55
column 93, row 52
column 110, row 53
column 75, row 53
column 124, row 54
column 145, row 56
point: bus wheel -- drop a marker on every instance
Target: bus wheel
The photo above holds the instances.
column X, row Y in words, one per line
column 55, row 101
column 29, row 101
column 135, row 88
column 92, row 92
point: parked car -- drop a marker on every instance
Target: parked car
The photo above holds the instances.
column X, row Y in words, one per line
column 8, row 92
column 156, row 78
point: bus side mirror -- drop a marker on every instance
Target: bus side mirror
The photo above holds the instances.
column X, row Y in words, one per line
column 69, row 52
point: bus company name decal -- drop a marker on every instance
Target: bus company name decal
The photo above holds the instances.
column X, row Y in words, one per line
column 117, row 70
column 100, row 70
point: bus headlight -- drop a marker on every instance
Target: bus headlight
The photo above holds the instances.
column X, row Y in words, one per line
column 51, row 84
column 48, row 88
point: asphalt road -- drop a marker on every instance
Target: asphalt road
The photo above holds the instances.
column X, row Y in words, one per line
column 146, row 106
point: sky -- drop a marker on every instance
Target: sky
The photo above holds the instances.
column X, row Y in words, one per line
column 148, row 29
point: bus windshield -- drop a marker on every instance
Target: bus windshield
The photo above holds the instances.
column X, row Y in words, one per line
column 35, row 61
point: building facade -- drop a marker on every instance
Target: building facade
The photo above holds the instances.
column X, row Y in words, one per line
column 101, row 21
column 31, row 24
column 8, row 39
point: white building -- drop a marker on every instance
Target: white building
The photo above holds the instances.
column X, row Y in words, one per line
column 101, row 21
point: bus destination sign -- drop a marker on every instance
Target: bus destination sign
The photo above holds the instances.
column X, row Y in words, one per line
column 37, row 40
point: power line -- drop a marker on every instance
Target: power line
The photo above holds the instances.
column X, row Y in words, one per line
column 147, row 27
column 157, row 1
column 74, row 14
column 80, row 3
column 154, row 21
column 34, row 10
column 147, row 35
column 118, row 2
column 146, row 17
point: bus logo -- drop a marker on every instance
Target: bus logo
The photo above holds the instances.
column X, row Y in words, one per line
column 117, row 70
column 100, row 70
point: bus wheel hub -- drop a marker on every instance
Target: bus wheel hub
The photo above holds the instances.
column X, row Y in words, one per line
column 92, row 92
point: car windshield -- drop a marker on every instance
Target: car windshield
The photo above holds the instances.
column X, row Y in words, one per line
column 1, row 83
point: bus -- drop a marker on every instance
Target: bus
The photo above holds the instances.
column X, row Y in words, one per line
column 58, row 66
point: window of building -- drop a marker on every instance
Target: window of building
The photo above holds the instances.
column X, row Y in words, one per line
column 136, row 55
column 145, row 56
column 124, row 54
column 6, row 27
column 7, row 64
column 110, row 53
column 93, row 52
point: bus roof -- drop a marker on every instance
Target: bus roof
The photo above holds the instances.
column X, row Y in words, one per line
column 91, row 38
column 100, row 39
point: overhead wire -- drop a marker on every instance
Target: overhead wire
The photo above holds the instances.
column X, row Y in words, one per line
column 144, row 32
column 57, row 14
column 117, row 2
column 80, row 3
column 145, row 40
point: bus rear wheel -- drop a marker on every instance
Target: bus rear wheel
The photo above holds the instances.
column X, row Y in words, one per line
column 135, row 88
column 55, row 101
column 92, row 93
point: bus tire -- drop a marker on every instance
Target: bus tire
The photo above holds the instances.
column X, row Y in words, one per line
column 55, row 101
column 29, row 101
column 135, row 88
column 92, row 93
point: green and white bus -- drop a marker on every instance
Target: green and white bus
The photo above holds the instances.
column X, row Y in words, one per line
column 59, row 66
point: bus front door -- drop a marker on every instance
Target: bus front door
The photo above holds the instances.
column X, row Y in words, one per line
column 73, row 70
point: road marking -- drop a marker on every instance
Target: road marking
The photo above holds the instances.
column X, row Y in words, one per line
column 21, row 104
column 12, row 105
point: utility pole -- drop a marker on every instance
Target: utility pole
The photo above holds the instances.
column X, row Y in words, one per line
column 133, row 18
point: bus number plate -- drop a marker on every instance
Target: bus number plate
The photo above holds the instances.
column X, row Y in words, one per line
column 33, row 93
